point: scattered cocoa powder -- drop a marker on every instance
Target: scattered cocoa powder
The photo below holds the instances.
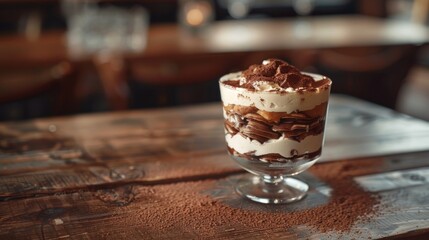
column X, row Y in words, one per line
column 185, row 208
column 349, row 201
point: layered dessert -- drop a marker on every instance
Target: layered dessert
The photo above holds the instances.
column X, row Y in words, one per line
column 274, row 113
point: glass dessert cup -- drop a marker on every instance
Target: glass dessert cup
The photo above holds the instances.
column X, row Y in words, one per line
column 271, row 183
column 274, row 143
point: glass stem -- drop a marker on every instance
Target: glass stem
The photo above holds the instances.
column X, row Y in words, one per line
column 272, row 184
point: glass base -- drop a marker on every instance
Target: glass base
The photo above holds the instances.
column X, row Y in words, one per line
column 272, row 190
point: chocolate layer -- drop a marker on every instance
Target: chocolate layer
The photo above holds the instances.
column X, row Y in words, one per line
column 262, row 126
column 274, row 157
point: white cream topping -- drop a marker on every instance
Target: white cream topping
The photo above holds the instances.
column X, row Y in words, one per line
column 282, row 146
column 270, row 96
column 265, row 86
column 266, row 62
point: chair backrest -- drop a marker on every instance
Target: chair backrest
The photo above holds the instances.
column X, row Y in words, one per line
column 26, row 81
column 177, row 81
column 144, row 82
column 372, row 73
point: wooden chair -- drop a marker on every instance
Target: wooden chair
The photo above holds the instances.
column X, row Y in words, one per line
column 38, row 89
column 372, row 73
column 159, row 82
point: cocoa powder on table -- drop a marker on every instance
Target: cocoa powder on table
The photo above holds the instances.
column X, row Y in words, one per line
column 349, row 201
column 183, row 207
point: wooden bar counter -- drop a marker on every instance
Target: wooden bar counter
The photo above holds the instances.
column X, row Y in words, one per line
column 173, row 57
column 166, row 174
column 232, row 37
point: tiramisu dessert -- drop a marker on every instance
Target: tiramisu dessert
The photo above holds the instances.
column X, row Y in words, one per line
column 274, row 114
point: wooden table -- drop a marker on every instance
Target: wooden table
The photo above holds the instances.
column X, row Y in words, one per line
column 173, row 56
column 165, row 174
column 169, row 41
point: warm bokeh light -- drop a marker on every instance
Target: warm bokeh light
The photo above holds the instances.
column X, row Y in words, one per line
column 196, row 14
column 195, row 17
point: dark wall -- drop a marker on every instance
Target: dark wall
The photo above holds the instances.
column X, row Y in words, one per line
column 14, row 15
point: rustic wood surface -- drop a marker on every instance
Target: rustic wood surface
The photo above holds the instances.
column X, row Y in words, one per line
column 114, row 175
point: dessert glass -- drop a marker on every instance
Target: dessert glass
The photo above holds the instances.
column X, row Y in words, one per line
column 274, row 135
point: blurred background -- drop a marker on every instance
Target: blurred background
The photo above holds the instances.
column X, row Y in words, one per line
column 70, row 57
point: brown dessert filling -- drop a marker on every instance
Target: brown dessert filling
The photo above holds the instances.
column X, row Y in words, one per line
column 275, row 157
column 262, row 126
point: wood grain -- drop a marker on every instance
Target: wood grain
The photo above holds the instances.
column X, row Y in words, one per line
column 123, row 212
column 156, row 174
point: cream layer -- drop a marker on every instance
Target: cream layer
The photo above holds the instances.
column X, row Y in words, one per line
column 271, row 98
column 282, row 146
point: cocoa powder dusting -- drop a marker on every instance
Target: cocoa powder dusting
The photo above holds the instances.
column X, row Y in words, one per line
column 279, row 72
column 186, row 208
